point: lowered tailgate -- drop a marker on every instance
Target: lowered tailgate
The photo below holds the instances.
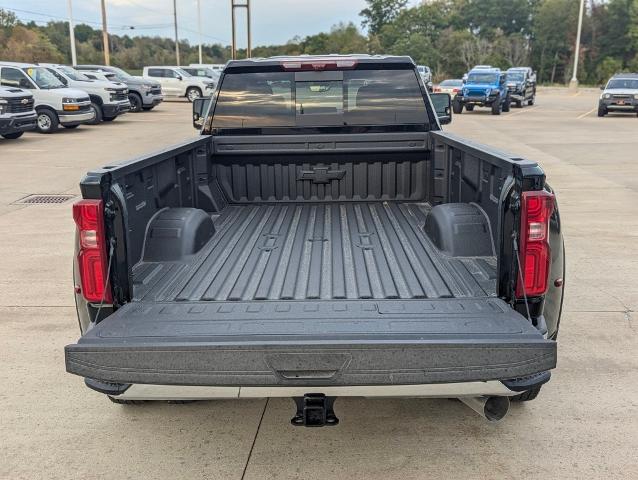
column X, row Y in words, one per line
column 376, row 342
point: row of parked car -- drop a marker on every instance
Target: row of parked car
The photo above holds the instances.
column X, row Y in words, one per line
column 487, row 86
column 45, row 96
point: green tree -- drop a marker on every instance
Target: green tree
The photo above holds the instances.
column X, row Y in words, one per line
column 380, row 12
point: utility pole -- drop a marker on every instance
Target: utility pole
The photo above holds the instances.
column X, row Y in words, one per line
column 105, row 35
column 199, row 28
column 74, row 59
column 573, row 84
column 176, row 36
column 234, row 5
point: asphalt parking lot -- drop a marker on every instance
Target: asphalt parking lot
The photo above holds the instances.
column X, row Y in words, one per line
column 584, row 424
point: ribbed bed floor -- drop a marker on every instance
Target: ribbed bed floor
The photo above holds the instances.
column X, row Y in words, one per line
column 317, row 251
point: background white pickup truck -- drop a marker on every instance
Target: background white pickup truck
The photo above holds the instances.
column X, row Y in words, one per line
column 176, row 82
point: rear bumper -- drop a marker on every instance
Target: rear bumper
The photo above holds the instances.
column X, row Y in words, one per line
column 18, row 123
column 311, row 344
column 437, row 390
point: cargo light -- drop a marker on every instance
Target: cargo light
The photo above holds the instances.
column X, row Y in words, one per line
column 535, row 252
column 92, row 262
column 319, row 65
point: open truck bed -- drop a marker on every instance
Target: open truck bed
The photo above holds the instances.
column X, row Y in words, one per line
column 322, row 236
column 317, row 251
column 311, row 285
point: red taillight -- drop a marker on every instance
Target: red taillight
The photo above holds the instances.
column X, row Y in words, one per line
column 319, row 65
column 92, row 262
column 455, row 90
column 535, row 253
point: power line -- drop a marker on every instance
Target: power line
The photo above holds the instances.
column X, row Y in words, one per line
column 120, row 26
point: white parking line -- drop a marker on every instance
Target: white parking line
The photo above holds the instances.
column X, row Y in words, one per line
column 587, row 113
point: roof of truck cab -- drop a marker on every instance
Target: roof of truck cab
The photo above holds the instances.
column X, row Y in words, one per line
column 278, row 60
column 18, row 64
column 486, row 70
column 625, row 75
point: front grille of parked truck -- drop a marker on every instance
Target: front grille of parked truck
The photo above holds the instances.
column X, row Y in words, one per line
column 119, row 95
column 20, row 105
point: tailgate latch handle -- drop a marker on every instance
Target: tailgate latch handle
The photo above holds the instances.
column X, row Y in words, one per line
column 314, row 410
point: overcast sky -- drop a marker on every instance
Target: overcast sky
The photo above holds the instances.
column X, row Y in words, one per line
column 273, row 21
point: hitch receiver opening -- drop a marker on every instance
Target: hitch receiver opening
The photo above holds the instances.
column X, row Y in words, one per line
column 314, row 410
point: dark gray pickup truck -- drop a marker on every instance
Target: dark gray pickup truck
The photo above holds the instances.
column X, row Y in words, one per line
column 323, row 237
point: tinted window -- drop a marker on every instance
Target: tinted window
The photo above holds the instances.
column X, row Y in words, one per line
column 156, row 72
column 360, row 97
column 626, row 83
column 12, row 77
column 516, row 76
column 255, row 100
column 482, row 78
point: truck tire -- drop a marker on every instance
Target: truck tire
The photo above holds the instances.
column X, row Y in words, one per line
column 469, row 108
column 136, row 102
column 98, row 114
column 457, row 107
column 12, row 136
column 47, row 121
column 506, row 103
column 531, row 101
column 496, row 106
column 527, row 395
column 602, row 111
column 519, row 104
column 192, row 93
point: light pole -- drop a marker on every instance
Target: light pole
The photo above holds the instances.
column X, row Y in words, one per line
column 74, row 59
column 105, row 36
column 234, row 4
column 199, row 28
column 176, row 36
column 573, row 84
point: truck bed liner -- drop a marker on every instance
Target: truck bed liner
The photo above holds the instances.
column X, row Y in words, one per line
column 371, row 250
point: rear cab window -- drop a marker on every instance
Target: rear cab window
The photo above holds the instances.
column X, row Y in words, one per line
column 341, row 98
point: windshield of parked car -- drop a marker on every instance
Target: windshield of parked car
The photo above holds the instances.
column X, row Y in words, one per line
column 623, row 83
column 351, row 97
column 120, row 74
column 43, row 78
column 183, row 72
column 451, row 83
column 482, row 78
column 73, row 74
column 515, row 76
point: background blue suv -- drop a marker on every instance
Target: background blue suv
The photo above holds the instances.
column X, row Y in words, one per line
column 484, row 87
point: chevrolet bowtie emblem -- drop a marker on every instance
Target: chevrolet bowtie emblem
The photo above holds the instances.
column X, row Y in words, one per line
column 321, row 175
column 24, row 101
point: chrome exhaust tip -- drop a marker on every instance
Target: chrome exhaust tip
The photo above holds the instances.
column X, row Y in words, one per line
column 492, row 409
